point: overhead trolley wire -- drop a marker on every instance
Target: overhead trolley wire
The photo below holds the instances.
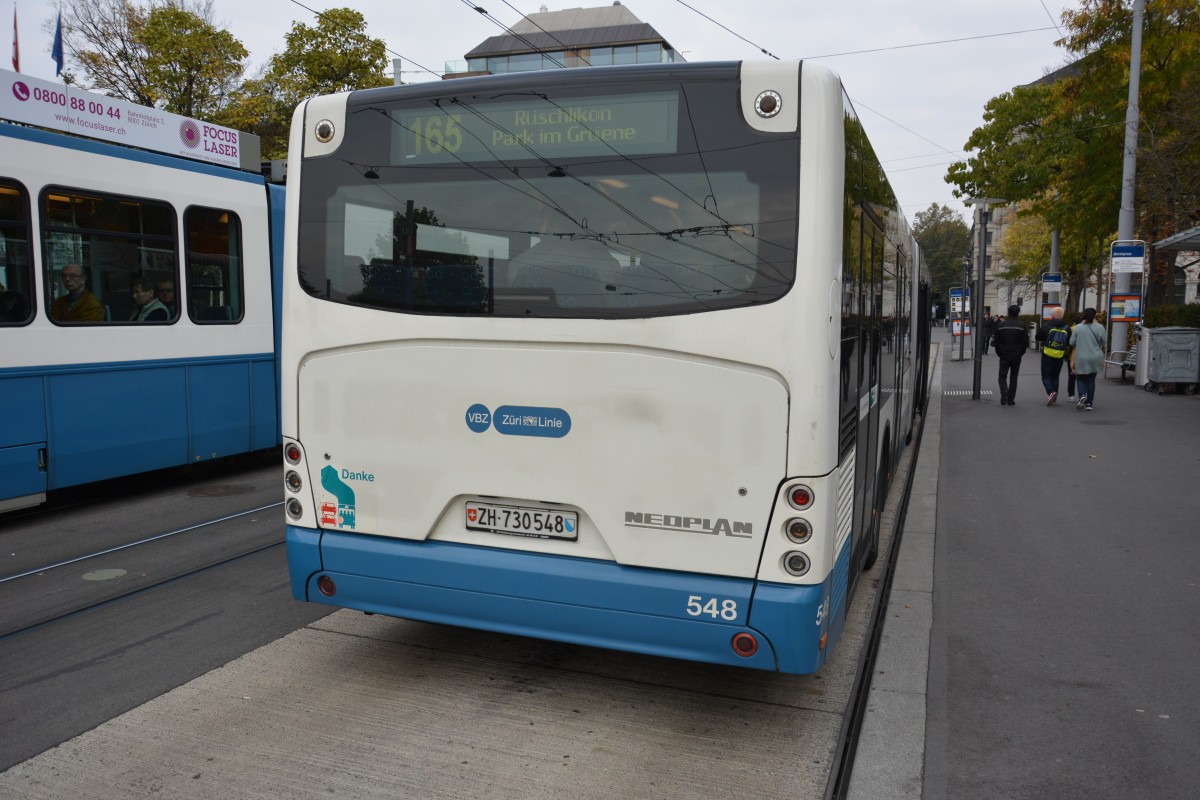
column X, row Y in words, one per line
column 956, row 154
column 529, row 19
column 322, row 15
column 1051, row 16
column 762, row 50
column 872, row 50
column 927, row 44
column 490, row 18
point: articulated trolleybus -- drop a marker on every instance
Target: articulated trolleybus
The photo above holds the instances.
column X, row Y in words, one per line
column 614, row 356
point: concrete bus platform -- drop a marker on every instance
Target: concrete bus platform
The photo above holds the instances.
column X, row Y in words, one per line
column 374, row 707
column 1043, row 629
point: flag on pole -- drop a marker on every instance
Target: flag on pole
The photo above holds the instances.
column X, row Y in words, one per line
column 56, row 52
column 16, row 49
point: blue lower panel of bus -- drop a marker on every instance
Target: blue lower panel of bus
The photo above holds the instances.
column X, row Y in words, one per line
column 583, row 601
column 802, row 620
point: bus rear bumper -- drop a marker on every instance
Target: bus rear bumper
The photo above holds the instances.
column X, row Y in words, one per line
column 581, row 601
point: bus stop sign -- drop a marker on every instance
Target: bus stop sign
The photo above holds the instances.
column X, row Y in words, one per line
column 1128, row 256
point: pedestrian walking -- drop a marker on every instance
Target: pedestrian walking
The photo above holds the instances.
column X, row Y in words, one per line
column 1011, row 340
column 1087, row 357
column 1054, row 336
column 1070, row 366
column 986, row 329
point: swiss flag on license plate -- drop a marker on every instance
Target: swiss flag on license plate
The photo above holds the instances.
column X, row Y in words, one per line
column 472, row 514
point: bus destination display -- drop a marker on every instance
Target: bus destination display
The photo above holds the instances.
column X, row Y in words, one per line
column 537, row 127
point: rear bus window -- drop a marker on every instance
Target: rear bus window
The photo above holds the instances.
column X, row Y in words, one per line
column 618, row 201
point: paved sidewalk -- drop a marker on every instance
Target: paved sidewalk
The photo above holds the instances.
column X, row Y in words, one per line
column 1065, row 602
column 890, row 758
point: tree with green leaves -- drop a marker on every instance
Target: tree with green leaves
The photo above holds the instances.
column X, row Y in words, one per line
column 335, row 56
column 1025, row 253
column 945, row 240
column 1058, row 144
column 190, row 64
column 165, row 54
column 100, row 41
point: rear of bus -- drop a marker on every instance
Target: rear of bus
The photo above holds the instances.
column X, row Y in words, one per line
column 560, row 358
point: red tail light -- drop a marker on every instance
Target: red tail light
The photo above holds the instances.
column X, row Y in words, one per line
column 801, row 497
column 744, row 644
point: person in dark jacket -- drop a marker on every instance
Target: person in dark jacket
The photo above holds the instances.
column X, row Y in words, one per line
column 1011, row 340
column 988, row 327
column 1054, row 336
column 146, row 307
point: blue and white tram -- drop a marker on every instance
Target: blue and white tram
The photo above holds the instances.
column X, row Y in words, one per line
column 92, row 235
column 619, row 356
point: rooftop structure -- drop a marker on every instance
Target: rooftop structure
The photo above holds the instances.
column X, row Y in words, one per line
column 574, row 37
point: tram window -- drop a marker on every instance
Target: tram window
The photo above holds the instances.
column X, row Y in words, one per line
column 96, row 246
column 213, row 243
column 16, row 271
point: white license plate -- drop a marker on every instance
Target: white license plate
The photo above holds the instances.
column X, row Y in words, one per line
column 541, row 523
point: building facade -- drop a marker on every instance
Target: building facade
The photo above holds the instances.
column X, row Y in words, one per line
column 575, row 37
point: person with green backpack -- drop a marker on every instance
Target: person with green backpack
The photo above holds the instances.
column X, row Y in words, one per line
column 1054, row 336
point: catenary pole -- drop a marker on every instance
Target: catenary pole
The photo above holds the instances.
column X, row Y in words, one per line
column 1054, row 297
column 983, row 204
column 1126, row 221
column 977, row 307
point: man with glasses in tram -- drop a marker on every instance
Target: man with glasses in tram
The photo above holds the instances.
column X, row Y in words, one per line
column 78, row 304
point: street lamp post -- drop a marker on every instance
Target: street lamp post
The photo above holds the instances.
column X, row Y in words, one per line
column 980, row 277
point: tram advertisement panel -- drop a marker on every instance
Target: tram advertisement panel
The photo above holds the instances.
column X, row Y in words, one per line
column 67, row 108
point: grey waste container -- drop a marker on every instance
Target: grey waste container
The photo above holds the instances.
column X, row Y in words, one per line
column 1174, row 357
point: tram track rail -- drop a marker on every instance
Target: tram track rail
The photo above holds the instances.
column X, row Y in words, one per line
column 37, row 597
column 147, row 540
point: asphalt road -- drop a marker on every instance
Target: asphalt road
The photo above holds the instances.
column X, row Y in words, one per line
column 60, row 679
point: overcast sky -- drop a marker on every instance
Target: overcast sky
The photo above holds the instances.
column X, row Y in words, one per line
column 919, row 103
